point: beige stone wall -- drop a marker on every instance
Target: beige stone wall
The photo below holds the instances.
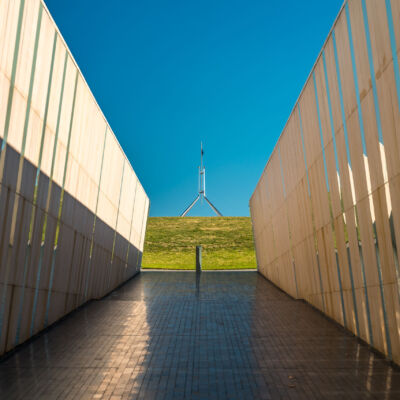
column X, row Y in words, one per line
column 326, row 210
column 72, row 211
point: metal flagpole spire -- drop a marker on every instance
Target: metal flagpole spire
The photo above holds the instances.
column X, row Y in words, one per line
column 202, row 187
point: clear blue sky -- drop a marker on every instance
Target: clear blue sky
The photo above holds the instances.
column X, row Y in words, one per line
column 169, row 73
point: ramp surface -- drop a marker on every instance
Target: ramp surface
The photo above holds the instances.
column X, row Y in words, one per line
column 175, row 335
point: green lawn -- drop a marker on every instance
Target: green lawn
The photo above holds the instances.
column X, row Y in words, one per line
column 171, row 242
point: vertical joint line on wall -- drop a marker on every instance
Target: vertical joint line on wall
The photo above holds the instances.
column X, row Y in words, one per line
column 321, row 137
column 130, row 229
column 320, row 280
column 48, row 198
column 60, row 208
column 282, row 177
column 304, row 150
column 328, row 95
column 287, row 217
column 43, row 135
column 95, row 214
column 119, row 204
column 254, row 238
column 25, row 129
column 341, row 99
column 371, row 70
column 141, row 238
column 355, row 78
column 98, row 191
column 56, row 236
column 30, row 90
column 312, row 209
column 272, row 227
column 353, row 289
column 140, row 235
column 116, row 225
column 385, row 318
column 335, row 245
column 143, row 223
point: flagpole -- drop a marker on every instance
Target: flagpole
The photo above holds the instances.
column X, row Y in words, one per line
column 201, row 156
column 202, row 187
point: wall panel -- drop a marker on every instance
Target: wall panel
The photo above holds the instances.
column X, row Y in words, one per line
column 333, row 204
column 69, row 227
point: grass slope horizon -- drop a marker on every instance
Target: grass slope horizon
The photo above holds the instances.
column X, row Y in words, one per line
column 227, row 243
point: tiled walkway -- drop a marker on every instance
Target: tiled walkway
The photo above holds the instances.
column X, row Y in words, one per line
column 168, row 335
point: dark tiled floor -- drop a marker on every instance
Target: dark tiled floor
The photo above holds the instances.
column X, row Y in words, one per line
column 168, row 335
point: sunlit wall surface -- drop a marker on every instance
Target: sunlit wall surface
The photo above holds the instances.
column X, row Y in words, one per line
column 72, row 211
column 326, row 210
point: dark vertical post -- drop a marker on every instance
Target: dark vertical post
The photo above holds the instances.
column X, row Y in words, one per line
column 198, row 258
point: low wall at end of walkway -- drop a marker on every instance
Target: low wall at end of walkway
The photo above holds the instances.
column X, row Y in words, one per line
column 72, row 211
column 326, row 210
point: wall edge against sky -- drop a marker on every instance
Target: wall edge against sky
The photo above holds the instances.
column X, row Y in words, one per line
column 301, row 92
column 88, row 87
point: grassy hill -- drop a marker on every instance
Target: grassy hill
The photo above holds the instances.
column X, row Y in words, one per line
column 171, row 242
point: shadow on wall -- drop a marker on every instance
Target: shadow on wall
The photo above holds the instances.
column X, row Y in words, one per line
column 337, row 161
column 40, row 282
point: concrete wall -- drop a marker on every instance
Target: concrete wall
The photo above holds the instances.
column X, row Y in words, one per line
column 326, row 210
column 72, row 211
